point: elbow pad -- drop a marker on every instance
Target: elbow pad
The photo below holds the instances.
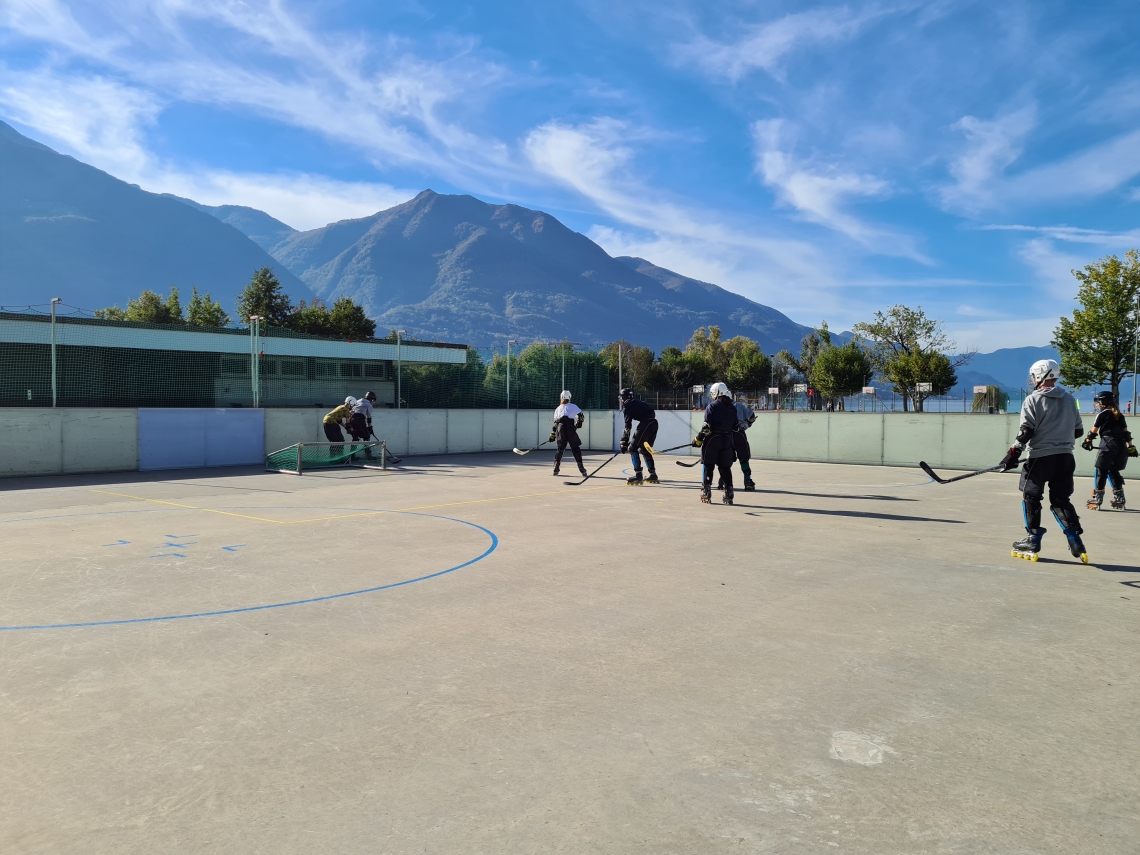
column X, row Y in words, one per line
column 1076, row 433
column 1026, row 432
column 1128, row 436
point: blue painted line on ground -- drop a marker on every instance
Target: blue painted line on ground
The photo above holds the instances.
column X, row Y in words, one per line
column 494, row 545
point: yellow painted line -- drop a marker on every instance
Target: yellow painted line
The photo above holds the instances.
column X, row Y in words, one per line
column 362, row 514
column 190, row 507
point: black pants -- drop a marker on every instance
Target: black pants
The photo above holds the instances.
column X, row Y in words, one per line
column 1056, row 473
column 358, row 427
column 645, row 434
column 1112, row 476
column 743, row 452
column 332, row 432
column 575, row 449
column 718, row 451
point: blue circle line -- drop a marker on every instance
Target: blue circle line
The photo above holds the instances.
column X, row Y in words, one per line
column 494, row 545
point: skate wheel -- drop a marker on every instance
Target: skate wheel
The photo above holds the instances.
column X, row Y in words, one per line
column 1084, row 558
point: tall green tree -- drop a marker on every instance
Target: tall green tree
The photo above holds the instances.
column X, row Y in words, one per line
column 264, row 296
column 1096, row 344
column 205, row 311
column 748, row 369
column 707, row 345
column 840, row 371
column 311, row 319
column 908, row 348
column 348, row 320
column 147, row 308
column 813, row 344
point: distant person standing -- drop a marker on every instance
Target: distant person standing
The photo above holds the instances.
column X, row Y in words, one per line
column 745, row 416
column 360, row 422
column 638, row 411
column 338, row 418
column 1115, row 449
column 1050, row 425
column 715, row 440
column 567, row 419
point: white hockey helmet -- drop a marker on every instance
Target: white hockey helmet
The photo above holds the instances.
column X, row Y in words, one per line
column 351, row 401
column 716, row 390
column 564, row 395
column 1042, row 370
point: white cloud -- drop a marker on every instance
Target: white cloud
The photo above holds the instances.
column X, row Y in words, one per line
column 982, row 180
column 819, row 194
column 1071, row 234
column 594, row 160
column 1052, row 267
column 99, row 119
column 264, row 60
column 297, row 199
column 988, row 336
column 991, row 146
column 766, row 45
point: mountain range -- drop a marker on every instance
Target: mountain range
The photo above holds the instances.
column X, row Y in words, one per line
column 442, row 267
column 72, row 231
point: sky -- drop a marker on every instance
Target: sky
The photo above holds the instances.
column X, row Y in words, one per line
column 828, row 160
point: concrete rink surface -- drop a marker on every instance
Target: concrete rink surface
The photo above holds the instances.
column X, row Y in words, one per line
column 848, row 660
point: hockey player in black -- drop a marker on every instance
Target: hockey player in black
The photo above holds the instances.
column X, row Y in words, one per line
column 1050, row 425
column 716, row 442
column 745, row 416
column 567, row 419
column 646, row 433
column 1115, row 449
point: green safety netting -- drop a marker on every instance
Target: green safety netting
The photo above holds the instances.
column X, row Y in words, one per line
column 322, row 455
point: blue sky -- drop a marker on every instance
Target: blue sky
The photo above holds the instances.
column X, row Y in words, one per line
column 825, row 159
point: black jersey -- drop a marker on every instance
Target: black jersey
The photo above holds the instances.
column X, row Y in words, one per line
column 720, row 415
column 1107, row 424
column 637, row 411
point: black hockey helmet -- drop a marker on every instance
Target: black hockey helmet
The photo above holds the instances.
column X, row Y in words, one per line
column 626, row 395
column 1106, row 399
column 370, row 396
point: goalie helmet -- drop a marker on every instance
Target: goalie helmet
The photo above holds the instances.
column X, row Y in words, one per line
column 1042, row 370
column 565, row 395
column 370, row 396
column 1106, row 400
column 718, row 390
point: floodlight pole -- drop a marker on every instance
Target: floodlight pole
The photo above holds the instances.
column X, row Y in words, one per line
column 564, row 344
column 398, row 366
column 254, row 358
column 1135, row 345
column 54, row 300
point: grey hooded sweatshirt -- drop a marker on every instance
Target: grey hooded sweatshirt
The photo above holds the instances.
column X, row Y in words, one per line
column 1052, row 416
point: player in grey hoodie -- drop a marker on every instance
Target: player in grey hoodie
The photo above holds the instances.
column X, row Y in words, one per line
column 1050, row 424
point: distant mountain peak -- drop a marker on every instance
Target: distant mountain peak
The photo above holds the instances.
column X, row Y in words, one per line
column 456, row 267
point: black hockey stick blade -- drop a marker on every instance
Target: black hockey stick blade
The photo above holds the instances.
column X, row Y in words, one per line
column 926, row 468
column 592, row 474
column 689, row 465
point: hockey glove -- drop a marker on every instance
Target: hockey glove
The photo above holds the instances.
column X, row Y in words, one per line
column 752, row 420
column 552, row 437
column 1133, row 452
column 1087, row 444
column 1010, row 460
column 698, row 441
column 579, row 420
column 624, row 445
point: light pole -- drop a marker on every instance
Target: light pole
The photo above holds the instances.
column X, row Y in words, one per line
column 54, row 300
column 1135, row 345
column 398, row 366
column 509, row 343
column 254, row 358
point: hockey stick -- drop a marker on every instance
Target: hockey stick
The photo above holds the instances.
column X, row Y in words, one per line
column 592, row 474
column 926, row 468
column 688, row 465
column 529, row 450
column 653, row 450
